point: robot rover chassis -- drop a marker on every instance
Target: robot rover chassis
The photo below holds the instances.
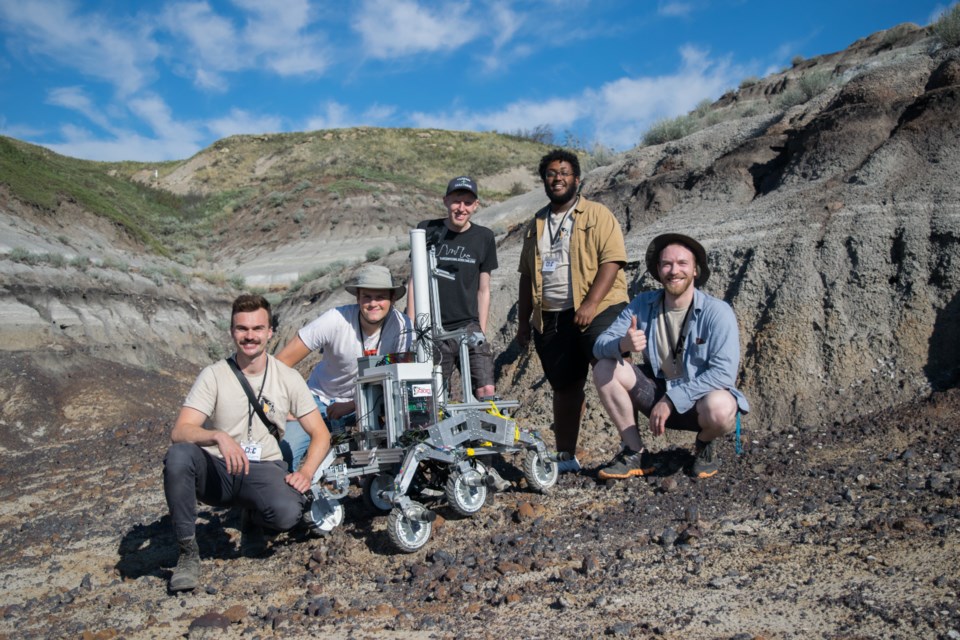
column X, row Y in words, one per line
column 410, row 447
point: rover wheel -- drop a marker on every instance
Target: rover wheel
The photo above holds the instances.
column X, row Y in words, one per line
column 324, row 515
column 464, row 499
column 407, row 535
column 541, row 474
column 372, row 486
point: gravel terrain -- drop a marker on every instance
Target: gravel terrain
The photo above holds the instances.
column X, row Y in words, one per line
column 838, row 531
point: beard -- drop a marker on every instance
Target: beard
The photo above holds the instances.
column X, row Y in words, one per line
column 562, row 197
column 677, row 288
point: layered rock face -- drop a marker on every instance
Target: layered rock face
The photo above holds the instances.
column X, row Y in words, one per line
column 832, row 229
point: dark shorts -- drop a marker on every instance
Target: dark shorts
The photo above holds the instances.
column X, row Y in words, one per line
column 481, row 358
column 565, row 352
column 648, row 391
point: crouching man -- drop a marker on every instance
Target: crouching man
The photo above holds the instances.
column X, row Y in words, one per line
column 691, row 355
column 236, row 460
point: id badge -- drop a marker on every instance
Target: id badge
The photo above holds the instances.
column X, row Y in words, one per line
column 253, row 450
column 549, row 265
column 673, row 382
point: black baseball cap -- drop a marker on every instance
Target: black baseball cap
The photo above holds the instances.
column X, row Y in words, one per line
column 462, row 183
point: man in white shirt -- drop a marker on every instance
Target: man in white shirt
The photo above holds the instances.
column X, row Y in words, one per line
column 372, row 326
column 225, row 454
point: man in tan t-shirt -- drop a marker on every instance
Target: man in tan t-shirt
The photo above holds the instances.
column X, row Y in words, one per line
column 235, row 459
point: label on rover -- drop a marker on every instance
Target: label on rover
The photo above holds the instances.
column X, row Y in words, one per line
column 421, row 390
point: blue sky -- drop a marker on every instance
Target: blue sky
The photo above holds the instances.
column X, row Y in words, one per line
column 132, row 80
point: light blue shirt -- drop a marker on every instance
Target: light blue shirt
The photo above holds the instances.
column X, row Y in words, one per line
column 711, row 352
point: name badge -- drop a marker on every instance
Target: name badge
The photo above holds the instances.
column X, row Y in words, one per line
column 673, row 382
column 549, row 265
column 253, row 450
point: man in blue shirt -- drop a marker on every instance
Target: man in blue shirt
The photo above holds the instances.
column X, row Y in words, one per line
column 691, row 354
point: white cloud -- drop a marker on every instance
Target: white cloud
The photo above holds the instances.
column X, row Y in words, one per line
column 76, row 99
column 212, row 40
column 391, row 28
column 506, row 23
column 275, row 36
column 239, row 121
column 625, row 108
column 615, row 114
column 121, row 54
column 334, row 115
column 675, row 9
column 523, row 114
column 80, row 143
column 156, row 114
column 279, row 31
column 21, row 132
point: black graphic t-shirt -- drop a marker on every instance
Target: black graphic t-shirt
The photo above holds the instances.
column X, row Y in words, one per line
column 465, row 255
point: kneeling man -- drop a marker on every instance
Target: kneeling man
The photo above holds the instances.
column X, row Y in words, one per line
column 237, row 459
column 691, row 355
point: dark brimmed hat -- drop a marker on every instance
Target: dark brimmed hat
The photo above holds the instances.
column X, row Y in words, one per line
column 462, row 183
column 661, row 241
column 377, row 277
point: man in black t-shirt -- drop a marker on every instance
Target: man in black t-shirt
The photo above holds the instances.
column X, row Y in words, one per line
column 469, row 252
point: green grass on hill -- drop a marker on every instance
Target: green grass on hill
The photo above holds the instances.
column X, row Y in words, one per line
column 44, row 179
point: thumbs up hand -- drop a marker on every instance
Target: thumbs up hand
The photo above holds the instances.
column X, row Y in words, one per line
column 635, row 340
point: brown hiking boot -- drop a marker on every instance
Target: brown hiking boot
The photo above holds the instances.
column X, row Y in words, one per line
column 186, row 575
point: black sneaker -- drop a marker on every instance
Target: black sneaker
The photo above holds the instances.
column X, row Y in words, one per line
column 706, row 464
column 626, row 464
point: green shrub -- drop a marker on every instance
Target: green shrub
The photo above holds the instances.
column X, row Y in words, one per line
column 80, row 262
column 374, row 254
column 55, row 259
column 791, row 98
column 19, row 254
column 276, row 199
column 814, row 83
column 947, row 27
column 154, row 274
column 749, row 81
column 113, row 263
column 797, row 60
column 177, row 276
column 669, row 129
column 217, row 278
column 237, row 282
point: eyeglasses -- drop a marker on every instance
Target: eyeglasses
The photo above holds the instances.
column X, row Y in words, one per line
column 550, row 175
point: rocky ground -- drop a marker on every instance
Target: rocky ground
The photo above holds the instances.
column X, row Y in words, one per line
column 840, row 531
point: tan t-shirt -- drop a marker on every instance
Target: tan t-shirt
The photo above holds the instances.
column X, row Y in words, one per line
column 554, row 246
column 668, row 331
column 218, row 394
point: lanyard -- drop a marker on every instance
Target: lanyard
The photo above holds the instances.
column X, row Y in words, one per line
column 676, row 350
column 554, row 237
column 363, row 346
column 250, row 406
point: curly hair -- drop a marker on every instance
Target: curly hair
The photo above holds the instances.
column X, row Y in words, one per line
column 563, row 156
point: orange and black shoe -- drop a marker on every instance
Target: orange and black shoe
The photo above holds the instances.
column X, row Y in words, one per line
column 706, row 464
column 627, row 464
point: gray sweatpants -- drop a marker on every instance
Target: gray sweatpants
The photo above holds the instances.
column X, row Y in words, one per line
column 191, row 474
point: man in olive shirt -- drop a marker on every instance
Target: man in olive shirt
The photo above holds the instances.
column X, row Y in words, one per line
column 571, row 288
